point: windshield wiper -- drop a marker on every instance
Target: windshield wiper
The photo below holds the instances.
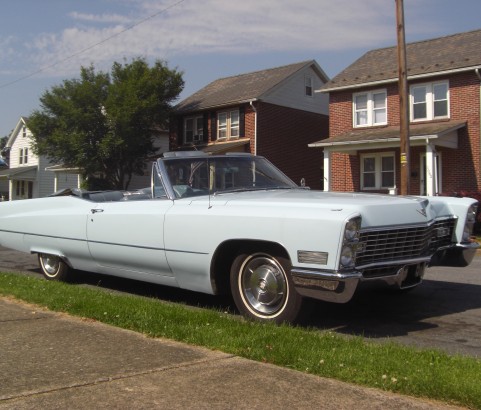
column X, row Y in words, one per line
column 247, row 189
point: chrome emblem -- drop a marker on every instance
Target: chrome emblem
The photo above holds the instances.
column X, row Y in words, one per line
column 422, row 212
column 424, row 205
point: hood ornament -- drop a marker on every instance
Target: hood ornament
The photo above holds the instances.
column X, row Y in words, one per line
column 424, row 205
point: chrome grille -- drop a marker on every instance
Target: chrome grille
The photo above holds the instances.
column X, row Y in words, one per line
column 390, row 245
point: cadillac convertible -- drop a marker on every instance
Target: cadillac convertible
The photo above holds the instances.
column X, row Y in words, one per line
column 235, row 223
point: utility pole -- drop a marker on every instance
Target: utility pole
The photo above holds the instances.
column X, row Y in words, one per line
column 403, row 100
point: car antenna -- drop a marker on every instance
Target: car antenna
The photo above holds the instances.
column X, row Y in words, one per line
column 208, row 181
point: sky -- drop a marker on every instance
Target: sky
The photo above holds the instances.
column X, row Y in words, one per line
column 44, row 42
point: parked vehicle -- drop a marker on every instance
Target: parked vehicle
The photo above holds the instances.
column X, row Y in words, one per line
column 235, row 223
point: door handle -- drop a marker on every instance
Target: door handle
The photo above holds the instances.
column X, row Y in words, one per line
column 94, row 211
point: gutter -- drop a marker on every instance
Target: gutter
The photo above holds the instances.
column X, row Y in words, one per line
column 214, row 106
column 392, row 80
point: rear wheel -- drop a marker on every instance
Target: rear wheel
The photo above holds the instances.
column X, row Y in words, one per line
column 53, row 267
column 262, row 288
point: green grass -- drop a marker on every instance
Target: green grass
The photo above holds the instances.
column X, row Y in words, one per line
column 423, row 373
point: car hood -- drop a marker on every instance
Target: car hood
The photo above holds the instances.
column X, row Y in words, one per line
column 375, row 209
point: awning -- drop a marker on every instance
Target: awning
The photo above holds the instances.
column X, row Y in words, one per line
column 63, row 168
column 25, row 173
column 228, row 146
column 441, row 133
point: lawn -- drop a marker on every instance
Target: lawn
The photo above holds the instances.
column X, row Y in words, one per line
column 424, row 373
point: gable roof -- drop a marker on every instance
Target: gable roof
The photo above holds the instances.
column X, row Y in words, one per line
column 457, row 52
column 243, row 87
column 11, row 139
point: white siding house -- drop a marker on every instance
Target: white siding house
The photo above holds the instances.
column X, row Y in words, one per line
column 28, row 175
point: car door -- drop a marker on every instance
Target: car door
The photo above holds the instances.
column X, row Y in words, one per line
column 128, row 236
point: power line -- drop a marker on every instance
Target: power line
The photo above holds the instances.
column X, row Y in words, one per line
column 92, row 46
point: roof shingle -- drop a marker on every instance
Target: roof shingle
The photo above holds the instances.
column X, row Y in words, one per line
column 240, row 88
column 454, row 52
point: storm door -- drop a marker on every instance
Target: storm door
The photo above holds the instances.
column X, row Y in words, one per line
column 431, row 175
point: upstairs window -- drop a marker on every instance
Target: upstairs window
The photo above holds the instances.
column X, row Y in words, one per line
column 370, row 108
column 228, row 124
column 23, row 156
column 429, row 101
column 193, row 129
column 24, row 131
column 377, row 171
column 308, row 85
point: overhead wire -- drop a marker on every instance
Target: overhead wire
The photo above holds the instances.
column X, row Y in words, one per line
column 40, row 70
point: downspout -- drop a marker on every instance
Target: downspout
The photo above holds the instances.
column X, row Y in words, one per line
column 255, row 125
column 476, row 70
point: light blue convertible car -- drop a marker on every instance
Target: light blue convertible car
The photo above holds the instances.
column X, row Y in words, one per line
column 235, row 223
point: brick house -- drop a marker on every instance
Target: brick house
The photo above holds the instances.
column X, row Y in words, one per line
column 274, row 113
column 362, row 152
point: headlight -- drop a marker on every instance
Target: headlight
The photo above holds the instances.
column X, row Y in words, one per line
column 350, row 243
column 470, row 220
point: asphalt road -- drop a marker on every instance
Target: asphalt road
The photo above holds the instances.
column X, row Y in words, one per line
column 444, row 312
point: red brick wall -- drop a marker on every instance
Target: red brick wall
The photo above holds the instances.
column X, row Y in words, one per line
column 283, row 135
column 460, row 167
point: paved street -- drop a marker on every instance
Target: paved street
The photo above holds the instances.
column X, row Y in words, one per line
column 443, row 312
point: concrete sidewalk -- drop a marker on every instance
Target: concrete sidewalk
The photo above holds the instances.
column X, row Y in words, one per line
column 51, row 360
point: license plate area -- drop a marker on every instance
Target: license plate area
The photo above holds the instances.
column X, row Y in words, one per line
column 411, row 275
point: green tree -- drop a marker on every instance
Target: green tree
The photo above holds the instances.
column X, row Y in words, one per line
column 104, row 123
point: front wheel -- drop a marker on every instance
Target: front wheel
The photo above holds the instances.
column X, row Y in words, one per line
column 53, row 267
column 262, row 288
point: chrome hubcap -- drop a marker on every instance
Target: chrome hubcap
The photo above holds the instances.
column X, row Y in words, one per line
column 263, row 285
column 50, row 264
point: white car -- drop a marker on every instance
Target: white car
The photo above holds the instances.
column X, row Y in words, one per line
column 235, row 223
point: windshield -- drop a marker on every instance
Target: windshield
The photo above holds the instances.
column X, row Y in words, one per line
column 216, row 175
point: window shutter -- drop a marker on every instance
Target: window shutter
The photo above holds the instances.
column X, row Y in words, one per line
column 213, row 126
column 205, row 132
column 242, row 121
column 180, row 131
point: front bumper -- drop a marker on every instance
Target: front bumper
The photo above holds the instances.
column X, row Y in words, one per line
column 327, row 286
column 457, row 256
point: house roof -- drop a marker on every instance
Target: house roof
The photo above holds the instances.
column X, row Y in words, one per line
column 391, row 134
column 11, row 139
column 27, row 173
column 457, row 52
column 243, row 87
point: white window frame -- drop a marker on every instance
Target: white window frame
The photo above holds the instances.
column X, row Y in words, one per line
column 429, row 101
column 228, row 125
column 370, row 109
column 378, row 171
column 23, row 156
column 197, row 131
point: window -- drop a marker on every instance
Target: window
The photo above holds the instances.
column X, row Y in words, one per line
column 24, row 131
column 23, row 156
column 377, row 171
column 370, row 108
column 228, row 124
column 429, row 101
column 193, row 129
column 308, row 85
